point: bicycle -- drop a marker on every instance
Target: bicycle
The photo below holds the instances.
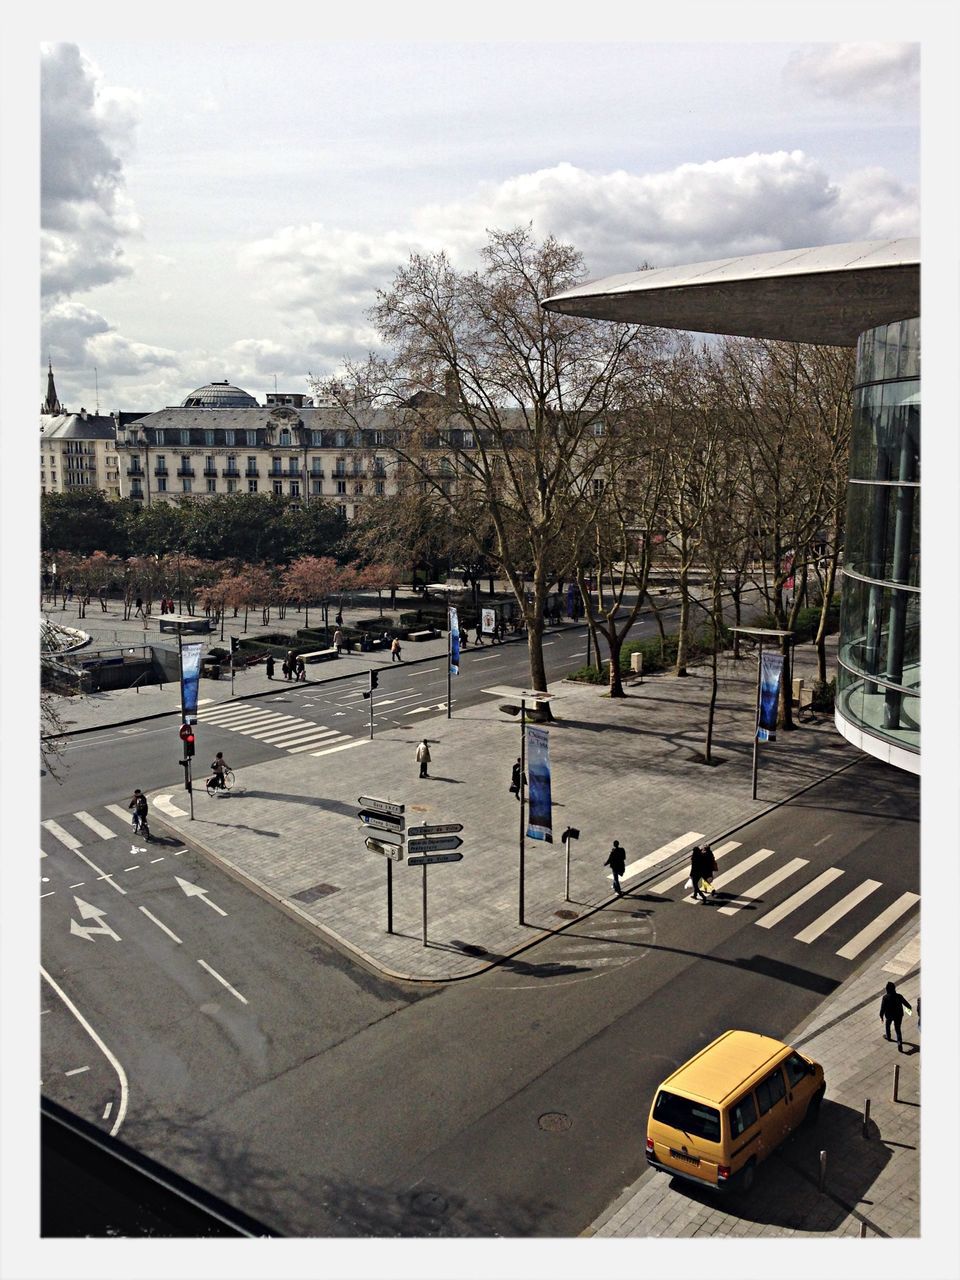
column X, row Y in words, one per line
column 141, row 826
column 217, row 785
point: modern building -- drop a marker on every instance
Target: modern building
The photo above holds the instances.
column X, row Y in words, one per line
column 864, row 295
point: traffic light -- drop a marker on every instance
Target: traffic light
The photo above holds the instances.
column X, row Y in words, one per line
column 234, row 644
column 189, row 740
column 374, row 682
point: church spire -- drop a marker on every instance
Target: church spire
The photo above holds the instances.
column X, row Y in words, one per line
column 51, row 405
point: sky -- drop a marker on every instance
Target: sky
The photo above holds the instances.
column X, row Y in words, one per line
column 228, row 209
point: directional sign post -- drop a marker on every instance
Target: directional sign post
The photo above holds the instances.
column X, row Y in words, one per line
column 427, row 851
column 385, row 819
column 426, row 859
column 434, row 843
column 436, row 829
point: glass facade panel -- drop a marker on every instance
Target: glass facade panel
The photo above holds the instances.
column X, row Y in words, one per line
column 878, row 680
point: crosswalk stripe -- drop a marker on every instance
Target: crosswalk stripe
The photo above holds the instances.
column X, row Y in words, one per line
column 104, row 832
column 906, row 959
column 357, row 742
column 678, row 877
column 803, row 895
column 125, row 815
column 332, row 736
column 282, row 731
column 878, row 925
column 58, row 833
column 297, row 734
column 660, row 855
column 764, row 886
column 222, row 707
column 837, row 912
column 243, row 717
column 740, row 869
column 256, row 728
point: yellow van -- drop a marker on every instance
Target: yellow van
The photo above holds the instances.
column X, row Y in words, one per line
column 722, row 1113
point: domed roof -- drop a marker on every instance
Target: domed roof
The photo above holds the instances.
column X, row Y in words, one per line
column 219, row 395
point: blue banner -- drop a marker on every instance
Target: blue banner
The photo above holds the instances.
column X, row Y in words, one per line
column 540, row 815
column 771, row 671
column 190, row 681
column 454, row 626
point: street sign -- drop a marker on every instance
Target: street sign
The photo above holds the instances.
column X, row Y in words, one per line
column 435, row 829
column 384, row 835
column 434, row 843
column 381, row 806
column 388, row 850
column 385, row 821
column 426, row 859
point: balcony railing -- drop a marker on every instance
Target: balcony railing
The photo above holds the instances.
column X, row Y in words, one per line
column 251, row 472
column 160, row 471
column 135, row 471
column 231, row 473
column 209, row 471
column 185, row 471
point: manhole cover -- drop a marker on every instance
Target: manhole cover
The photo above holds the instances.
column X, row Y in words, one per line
column 314, row 893
column 554, row 1121
column 564, row 914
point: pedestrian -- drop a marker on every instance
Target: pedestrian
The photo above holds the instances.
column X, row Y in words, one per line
column 102, row 595
column 300, row 669
column 617, row 862
column 338, row 641
column 339, row 618
column 270, row 666
column 479, row 636
column 395, row 650
column 698, row 865
column 139, row 608
column 709, row 867
column 286, row 669
column 69, row 592
column 423, row 758
column 518, row 780
column 891, row 1011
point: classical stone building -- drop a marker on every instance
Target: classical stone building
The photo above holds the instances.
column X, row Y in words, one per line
column 77, row 450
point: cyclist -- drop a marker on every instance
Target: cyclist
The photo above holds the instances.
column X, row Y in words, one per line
column 220, row 769
column 138, row 803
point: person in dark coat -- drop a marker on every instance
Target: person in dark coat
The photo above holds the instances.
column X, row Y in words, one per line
column 698, row 869
column 270, row 666
column 518, row 780
column 891, row 1011
column 617, row 862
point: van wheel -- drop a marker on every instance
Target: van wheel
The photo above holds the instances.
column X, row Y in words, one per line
column 747, row 1176
column 813, row 1108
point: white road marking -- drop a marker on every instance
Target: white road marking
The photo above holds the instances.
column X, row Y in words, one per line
column 316, row 731
column 121, row 1074
column 906, row 959
column 330, row 739
column 763, row 886
column 78, row 885
column 233, row 991
column 49, row 894
column 679, row 877
column 838, row 911
column 77, row 1071
column 153, row 860
column 58, row 833
column 125, row 815
column 660, row 855
column 194, row 891
column 106, row 1111
column 789, row 905
column 165, row 804
column 741, row 869
column 135, row 867
column 357, row 742
column 823, row 839
column 256, row 728
column 294, row 727
column 104, row 832
column 160, row 924
column 102, row 875
column 877, row 926
column 487, row 658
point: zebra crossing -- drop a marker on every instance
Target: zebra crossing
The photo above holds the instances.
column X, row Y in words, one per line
column 815, row 895
column 292, row 734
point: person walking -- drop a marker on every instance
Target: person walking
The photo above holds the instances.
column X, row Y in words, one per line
column 617, row 862
column 339, row 618
column 271, row 665
column 478, row 640
column 891, row 1011
column 423, row 758
column 338, row 641
column 102, row 596
column 709, row 867
column 395, row 650
column 300, row 669
column 518, row 780
column 285, row 668
column 139, row 608
column 698, row 866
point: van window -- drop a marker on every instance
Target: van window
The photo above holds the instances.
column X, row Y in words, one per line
column 770, row 1091
column 692, row 1117
column 742, row 1115
column 796, row 1068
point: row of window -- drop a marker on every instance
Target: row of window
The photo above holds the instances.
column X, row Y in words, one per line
column 276, row 466
column 186, row 482
column 248, row 436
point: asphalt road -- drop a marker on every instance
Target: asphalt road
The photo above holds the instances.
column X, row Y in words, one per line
column 324, row 1100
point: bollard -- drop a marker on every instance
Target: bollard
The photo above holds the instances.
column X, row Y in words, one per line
column 863, row 1231
column 896, row 1084
column 866, row 1118
column 822, row 1180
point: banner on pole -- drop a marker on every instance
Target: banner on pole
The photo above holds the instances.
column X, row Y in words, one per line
column 453, row 624
column 540, row 815
column 771, row 673
column 190, row 680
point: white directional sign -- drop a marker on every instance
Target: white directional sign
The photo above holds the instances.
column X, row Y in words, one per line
column 89, row 912
column 427, row 859
column 388, row 850
column 434, row 843
column 381, row 806
column 383, row 835
column 381, row 821
column 436, row 829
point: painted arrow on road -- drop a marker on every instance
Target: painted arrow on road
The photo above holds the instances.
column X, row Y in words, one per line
column 194, row 891
column 89, row 912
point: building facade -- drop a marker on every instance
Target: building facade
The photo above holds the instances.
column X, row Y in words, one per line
column 867, row 295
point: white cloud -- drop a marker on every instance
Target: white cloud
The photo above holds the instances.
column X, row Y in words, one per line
column 867, row 73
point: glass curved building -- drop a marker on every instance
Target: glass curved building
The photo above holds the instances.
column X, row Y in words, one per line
column 866, row 295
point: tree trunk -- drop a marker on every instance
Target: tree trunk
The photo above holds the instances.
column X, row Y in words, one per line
column 615, row 642
column 538, row 674
column 681, row 664
column 714, row 683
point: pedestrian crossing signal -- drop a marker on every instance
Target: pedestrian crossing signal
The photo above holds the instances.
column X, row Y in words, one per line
column 374, row 682
column 189, row 739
